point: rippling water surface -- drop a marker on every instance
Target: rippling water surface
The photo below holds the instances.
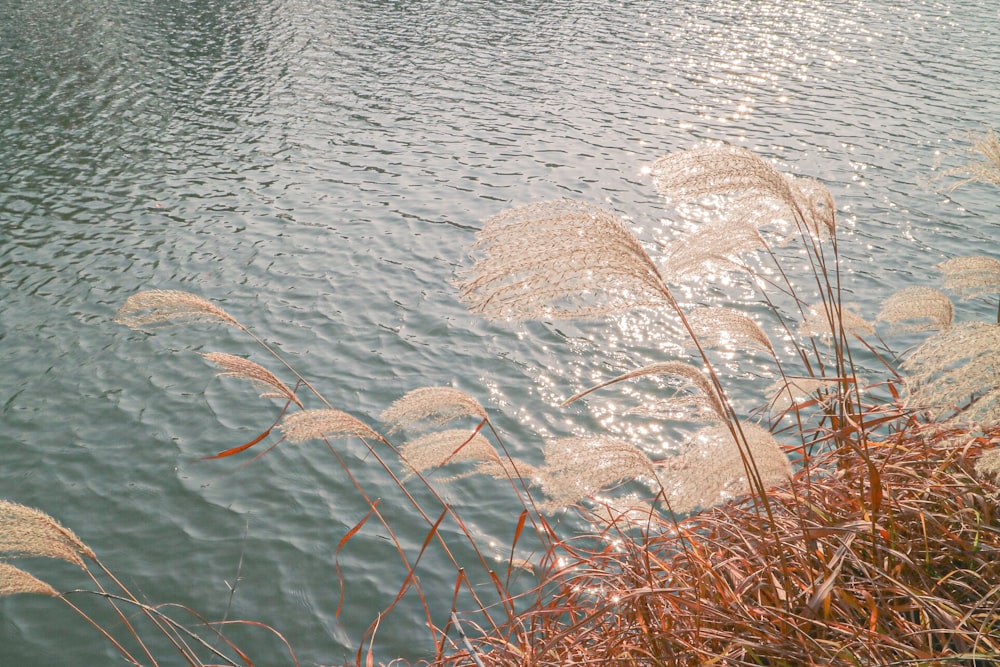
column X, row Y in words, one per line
column 319, row 170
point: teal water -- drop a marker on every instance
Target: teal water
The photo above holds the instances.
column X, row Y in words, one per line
column 319, row 169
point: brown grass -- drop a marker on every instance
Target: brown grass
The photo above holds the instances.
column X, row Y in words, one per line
column 883, row 548
column 906, row 574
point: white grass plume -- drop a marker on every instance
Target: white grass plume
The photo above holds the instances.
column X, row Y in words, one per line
column 14, row 580
column 451, row 446
column 434, row 406
column 714, row 169
column 314, row 424
column 25, row 531
column 261, row 378
column 559, row 259
column 918, row 308
column 459, row 445
column 579, row 467
column 988, row 464
column 796, row 390
column 817, row 323
column 694, row 377
column 954, row 367
column 727, row 328
column 971, row 276
column 985, row 170
column 712, row 471
column 718, row 169
column 715, row 246
column 156, row 308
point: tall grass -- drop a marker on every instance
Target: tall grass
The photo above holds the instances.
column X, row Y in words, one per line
column 839, row 523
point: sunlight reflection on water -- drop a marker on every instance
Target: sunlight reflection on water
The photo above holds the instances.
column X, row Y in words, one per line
column 320, row 169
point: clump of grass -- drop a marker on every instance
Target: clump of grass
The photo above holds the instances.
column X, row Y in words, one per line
column 879, row 547
column 26, row 532
column 914, row 584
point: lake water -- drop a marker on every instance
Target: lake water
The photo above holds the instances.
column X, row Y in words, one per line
column 319, row 169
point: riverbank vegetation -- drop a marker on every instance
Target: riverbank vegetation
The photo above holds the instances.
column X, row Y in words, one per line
column 846, row 513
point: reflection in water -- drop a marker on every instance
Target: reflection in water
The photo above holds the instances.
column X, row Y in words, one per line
column 319, row 168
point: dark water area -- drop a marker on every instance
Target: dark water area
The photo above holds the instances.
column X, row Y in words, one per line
column 319, row 169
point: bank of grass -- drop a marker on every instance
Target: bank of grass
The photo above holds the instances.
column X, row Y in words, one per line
column 880, row 548
column 892, row 563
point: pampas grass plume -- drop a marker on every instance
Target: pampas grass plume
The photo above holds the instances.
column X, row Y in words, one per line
column 260, row 377
column 313, row 424
column 559, row 259
column 14, row 580
column 153, row 308
column 435, row 406
column 931, row 308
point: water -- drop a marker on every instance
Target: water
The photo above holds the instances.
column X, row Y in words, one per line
column 319, row 170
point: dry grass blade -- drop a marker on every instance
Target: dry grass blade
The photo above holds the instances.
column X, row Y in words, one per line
column 14, row 580
column 25, row 531
column 559, row 259
column 686, row 371
column 313, row 424
column 930, row 307
column 919, row 590
column 728, row 328
column 954, row 366
column 244, row 369
column 451, row 446
column 576, row 468
column 435, row 406
column 712, row 470
column 971, row 276
column 153, row 308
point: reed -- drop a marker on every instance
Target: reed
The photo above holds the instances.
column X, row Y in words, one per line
column 837, row 523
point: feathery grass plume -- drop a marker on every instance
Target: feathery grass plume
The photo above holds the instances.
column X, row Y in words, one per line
column 450, row 446
column 313, row 424
column 504, row 467
column 712, row 470
column 436, row 406
column 683, row 370
column 261, row 378
column 559, row 259
column 25, row 531
column 955, row 367
column 714, row 246
column 153, row 308
column 682, row 407
column 930, row 307
column 715, row 169
column 726, row 327
column 971, row 276
column 816, row 203
column 14, row 580
column 622, row 512
column 817, row 323
column 712, row 169
column 986, row 146
column 578, row 467
column 988, row 464
column 789, row 391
